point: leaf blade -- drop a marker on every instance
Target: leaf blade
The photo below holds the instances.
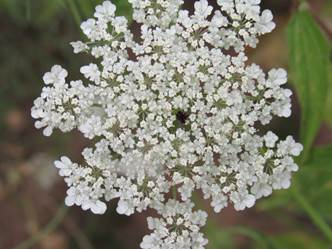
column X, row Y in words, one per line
column 309, row 55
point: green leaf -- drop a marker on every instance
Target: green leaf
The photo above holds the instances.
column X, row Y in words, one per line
column 328, row 109
column 309, row 57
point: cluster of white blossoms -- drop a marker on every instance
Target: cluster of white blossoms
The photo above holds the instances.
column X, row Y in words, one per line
column 172, row 111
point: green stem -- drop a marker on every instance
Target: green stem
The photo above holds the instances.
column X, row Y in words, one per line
column 304, row 5
column 28, row 10
column 51, row 226
column 313, row 214
column 174, row 193
column 75, row 12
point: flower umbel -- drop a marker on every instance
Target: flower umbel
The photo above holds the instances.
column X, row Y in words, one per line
column 176, row 111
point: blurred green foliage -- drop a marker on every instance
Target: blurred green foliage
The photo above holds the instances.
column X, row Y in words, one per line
column 41, row 12
column 31, row 12
column 317, row 173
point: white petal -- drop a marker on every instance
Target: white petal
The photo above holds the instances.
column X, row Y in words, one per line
column 99, row 207
column 48, row 131
column 250, row 201
column 86, row 205
column 59, row 164
column 66, row 160
column 65, row 172
column 70, row 201
column 122, row 207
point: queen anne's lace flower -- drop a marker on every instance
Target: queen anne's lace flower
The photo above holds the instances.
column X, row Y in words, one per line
column 174, row 111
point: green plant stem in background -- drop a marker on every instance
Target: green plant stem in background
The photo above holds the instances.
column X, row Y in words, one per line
column 75, row 12
column 28, row 10
column 51, row 226
column 312, row 213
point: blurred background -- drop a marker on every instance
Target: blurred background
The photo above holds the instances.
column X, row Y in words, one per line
column 34, row 35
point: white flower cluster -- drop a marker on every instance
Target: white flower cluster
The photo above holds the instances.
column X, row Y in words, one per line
column 173, row 111
column 178, row 228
